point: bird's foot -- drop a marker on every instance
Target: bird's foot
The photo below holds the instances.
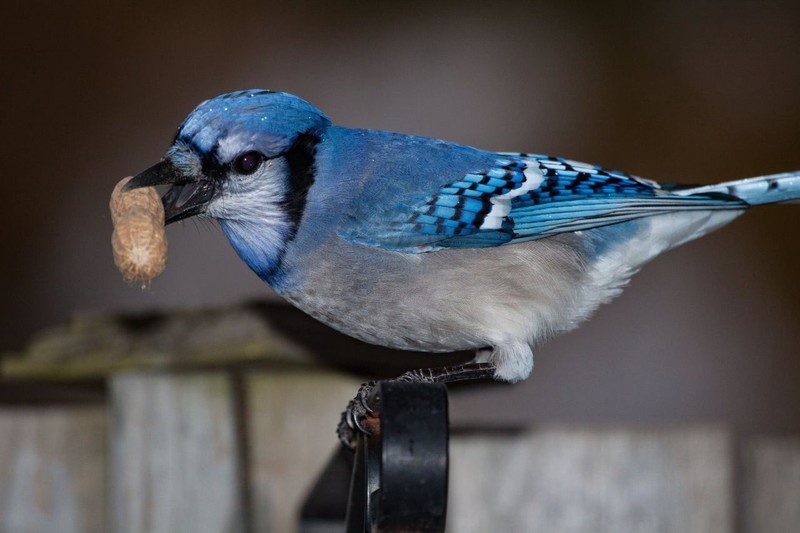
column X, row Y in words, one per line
column 355, row 418
column 362, row 414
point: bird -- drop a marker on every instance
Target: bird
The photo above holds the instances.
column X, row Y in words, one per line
column 421, row 244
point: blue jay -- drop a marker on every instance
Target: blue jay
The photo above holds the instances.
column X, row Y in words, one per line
column 422, row 244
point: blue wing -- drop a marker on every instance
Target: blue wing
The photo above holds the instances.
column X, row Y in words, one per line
column 523, row 197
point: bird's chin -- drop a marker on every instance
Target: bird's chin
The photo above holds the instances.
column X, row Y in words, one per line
column 184, row 200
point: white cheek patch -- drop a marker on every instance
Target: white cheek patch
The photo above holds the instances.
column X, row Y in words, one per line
column 253, row 199
column 501, row 204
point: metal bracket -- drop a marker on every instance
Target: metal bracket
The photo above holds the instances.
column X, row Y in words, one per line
column 398, row 479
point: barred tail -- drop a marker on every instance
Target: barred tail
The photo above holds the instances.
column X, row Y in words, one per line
column 755, row 191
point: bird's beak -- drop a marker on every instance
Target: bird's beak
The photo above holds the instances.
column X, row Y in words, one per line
column 187, row 195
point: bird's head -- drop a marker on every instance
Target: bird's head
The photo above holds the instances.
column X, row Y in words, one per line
column 246, row 159
column 237, row 154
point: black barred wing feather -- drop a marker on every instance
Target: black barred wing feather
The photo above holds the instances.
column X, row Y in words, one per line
column 574, row 196
column 526, row 197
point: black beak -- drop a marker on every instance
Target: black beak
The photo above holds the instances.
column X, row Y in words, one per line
column 187, row 196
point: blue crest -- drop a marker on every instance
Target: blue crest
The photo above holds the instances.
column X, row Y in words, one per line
column 267, row 118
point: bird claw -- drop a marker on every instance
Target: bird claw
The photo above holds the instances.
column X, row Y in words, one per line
column 354, row 417
column 362, row 412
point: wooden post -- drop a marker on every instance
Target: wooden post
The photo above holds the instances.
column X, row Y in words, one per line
column 592, row 480
column 51, row 469
column 174, row 454
column 292, row 420
column 772, row 484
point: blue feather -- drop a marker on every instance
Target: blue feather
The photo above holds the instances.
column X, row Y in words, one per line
column 570, row 197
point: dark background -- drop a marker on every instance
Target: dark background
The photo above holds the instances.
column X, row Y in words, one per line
column 692, row 92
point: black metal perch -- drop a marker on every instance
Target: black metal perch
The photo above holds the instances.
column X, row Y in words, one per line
column 398, row 475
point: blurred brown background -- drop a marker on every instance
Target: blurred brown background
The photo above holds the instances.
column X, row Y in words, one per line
column 692, row 92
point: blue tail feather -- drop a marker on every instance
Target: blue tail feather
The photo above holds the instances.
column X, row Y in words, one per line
column 755, row 191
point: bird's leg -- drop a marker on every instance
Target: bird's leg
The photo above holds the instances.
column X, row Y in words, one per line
column 365, row 404
column 449, row 374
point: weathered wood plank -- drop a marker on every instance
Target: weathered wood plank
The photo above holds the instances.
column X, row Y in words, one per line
column 274, row 335
column 572, row 480
column 52, row 469
column 93, row 346
column 173, row 454
column 292, row 421
column 772, row 485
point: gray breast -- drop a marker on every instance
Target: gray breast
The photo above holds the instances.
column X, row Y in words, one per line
column 446, row 300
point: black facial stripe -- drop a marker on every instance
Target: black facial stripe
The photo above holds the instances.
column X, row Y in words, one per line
column 210, row 165
column 208, row 160
column 300, row 159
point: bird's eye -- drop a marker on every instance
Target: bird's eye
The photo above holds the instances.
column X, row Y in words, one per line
column 248, row 162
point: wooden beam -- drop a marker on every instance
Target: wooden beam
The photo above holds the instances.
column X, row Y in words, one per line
column 592, row 480
column 292, row 421
column 52, row 469
column 173, row 461
column 267, row 334
column 772, row 484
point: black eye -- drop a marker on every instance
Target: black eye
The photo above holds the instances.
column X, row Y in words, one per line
column 248, row 162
